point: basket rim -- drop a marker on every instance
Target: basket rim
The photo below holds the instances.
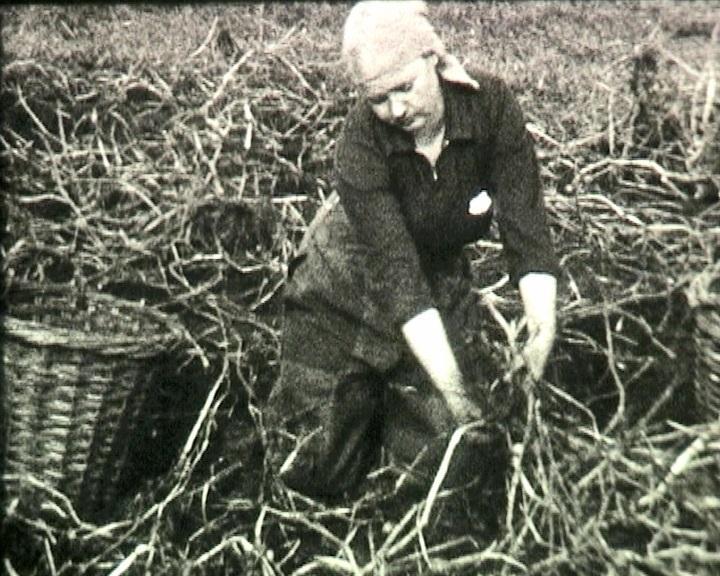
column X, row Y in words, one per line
column 46, row 335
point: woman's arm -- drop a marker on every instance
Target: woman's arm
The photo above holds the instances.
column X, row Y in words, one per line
column 363, row 185
column 427, row 339
column 539, row 293
column 523, row 226
column 519, row 201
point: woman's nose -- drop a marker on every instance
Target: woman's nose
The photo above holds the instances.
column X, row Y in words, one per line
column 398, row 109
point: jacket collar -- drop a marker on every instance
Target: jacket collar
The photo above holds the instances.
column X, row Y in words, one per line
column 457, row 125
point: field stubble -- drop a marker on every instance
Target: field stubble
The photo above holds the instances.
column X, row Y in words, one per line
column 176, row 155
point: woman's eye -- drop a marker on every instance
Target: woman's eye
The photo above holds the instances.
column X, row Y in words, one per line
column 405, row 87
column 377, row 100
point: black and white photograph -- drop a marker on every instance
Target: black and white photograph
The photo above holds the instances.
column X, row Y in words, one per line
column 383, row 287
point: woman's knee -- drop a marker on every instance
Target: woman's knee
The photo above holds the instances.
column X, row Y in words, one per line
column 323, row 429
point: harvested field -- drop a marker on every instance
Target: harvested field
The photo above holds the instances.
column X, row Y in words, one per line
column 174, row 156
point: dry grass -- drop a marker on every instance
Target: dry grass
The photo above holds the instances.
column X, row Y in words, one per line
column 177, row 154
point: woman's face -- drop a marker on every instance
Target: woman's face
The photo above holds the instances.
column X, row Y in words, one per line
column 409, row 98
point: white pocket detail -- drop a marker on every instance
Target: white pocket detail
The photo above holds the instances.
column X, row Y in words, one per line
column 480, row 204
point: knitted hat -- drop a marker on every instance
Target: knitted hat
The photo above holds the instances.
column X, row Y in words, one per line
column 382, row 36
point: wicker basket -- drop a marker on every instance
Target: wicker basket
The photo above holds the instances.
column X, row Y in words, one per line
column 77, row 371
column 704, row 298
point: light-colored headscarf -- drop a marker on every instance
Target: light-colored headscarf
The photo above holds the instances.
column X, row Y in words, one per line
column 382, row 36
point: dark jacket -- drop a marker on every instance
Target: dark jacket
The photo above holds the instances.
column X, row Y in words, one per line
column 412, row 223
column 392, row 246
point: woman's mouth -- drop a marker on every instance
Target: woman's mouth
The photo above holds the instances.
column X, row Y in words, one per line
column 406, row 123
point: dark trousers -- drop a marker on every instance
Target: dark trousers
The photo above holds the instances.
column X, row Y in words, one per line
column 330, row 414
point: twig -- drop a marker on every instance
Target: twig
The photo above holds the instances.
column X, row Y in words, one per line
column 614, row 207
column 33, row 116
column 227, row 77
column 519, row 452
column 666, row 176
column 9, row 567
column 386, row 549
column 681, row 63
column 680, row 464
column 619, row 415
column 298, row 75
column 207, row 40
column 126, row 564
column 68, row 509
column 350, row 563
column 49, row 557
column 493, row 287
column 475, row 560
column 535, row 130
column 457, row 435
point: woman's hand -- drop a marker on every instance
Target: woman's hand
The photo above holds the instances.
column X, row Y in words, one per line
column 537, row 350
column 539, row 294
column 463, row 409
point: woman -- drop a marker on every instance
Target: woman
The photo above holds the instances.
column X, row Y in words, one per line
column 378, row 346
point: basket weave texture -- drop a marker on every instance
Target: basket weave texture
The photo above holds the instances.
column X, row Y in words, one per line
column 704, row 297
column 77, row 371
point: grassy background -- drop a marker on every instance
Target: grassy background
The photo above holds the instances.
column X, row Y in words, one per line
column 176, row 155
